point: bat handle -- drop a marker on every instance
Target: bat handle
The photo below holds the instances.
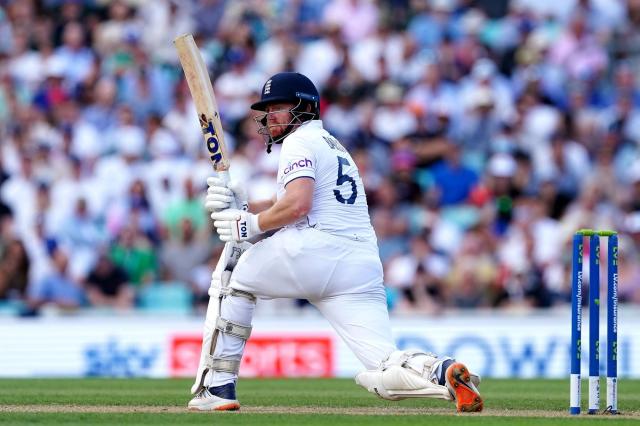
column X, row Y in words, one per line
column 224, row 176
column 236, row 203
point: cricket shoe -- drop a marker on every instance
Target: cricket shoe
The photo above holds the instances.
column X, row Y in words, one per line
column 462, row 385
column 216, row 398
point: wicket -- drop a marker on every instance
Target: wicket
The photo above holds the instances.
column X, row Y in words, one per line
column 594, row 321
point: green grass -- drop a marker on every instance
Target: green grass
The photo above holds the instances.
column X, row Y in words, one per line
column 290, row 402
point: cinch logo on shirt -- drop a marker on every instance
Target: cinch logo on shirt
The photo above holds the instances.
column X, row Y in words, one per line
column 305, row 162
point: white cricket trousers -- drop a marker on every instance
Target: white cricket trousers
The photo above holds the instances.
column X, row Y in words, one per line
column 341, row 277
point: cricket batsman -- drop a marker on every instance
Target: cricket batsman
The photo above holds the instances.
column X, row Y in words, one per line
column 325, row 251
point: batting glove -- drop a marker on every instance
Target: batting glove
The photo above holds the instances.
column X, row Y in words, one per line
column 219, row 196
column 236, row 225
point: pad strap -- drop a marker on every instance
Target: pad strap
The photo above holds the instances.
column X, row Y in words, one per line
column 228, row 291
column 233, row 328
column 403, row 359
column 226, row 365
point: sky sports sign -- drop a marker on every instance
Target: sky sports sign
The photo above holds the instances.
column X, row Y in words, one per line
column 493, row 346
column 275, row 355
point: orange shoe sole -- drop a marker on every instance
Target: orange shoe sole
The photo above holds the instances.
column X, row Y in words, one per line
column 468, row 398
column 226, row 407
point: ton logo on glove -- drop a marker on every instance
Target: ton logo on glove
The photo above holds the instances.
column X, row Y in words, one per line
column 243, row 229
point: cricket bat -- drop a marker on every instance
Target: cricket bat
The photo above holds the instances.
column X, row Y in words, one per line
column 201, row 90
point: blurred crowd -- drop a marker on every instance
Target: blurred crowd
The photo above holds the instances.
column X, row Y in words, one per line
column 486, row 133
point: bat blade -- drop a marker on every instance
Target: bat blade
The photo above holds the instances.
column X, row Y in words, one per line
column 197, row 77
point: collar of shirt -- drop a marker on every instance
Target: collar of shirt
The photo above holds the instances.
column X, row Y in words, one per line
column 311, row 124
column 315, row 124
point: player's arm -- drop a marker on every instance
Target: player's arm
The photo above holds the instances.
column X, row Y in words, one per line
column 262, row 205
column 238, row 225
column 293, row 206
column 220, row 195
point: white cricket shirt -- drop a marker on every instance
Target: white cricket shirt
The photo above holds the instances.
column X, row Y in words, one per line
column 339, row 201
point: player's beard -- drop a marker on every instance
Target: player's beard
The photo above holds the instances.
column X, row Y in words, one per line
column 276, row 130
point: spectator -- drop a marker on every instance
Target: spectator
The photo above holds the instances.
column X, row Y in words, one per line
column 501, row 172
column 162, row 143
column 454, row 181
column 82, row 232
column 190, row 207
column 145, row 87
column 59, row 289
column 181, row 256
column 319, row 58
column 432, row 91
column 418, row 275
column 26, row 66
column 355, row 18
column 19, row 193
column 74, row 58
column 134, row 209
column 379, row 56
column 235, row 87
column 163, row 21
column 178, row 121
column 578, row 52
column 392, row 120
column 473, row 273
column 431, row 24
column 107, row 285
column 102, row 112
column 390, row 233
column 343, row 117
column 121, row 167
column 134, row 253
column 200, row 279
column 120, row 25
column 14, row 270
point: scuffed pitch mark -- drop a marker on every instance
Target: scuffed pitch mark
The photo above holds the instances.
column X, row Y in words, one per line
column 354, row 411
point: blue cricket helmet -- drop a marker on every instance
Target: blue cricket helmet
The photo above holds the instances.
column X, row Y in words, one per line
column 289, row 87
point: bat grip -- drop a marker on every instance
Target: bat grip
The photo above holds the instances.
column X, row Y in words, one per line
column 236, row 203
column 223, row 175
